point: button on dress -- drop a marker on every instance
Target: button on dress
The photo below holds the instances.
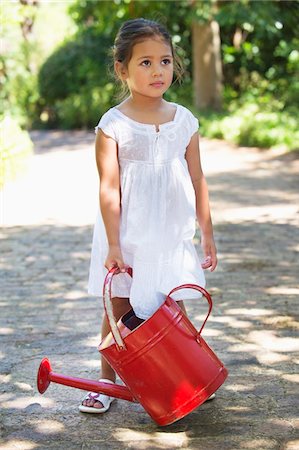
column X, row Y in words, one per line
column 158, row 212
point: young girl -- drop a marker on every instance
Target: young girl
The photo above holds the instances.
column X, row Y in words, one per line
column 152, row 188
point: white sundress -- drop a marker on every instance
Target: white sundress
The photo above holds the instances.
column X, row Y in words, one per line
column 158, row 212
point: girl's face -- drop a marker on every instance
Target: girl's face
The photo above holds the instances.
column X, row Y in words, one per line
column 150, row 70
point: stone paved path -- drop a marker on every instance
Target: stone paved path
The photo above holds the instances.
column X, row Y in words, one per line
column 47, row 228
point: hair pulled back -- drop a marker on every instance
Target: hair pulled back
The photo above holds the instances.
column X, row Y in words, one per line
column 137, row 30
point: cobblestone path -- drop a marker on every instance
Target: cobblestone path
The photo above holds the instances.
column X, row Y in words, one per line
column 46, row 237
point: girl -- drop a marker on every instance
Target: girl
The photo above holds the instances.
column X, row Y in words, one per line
column 152, row 187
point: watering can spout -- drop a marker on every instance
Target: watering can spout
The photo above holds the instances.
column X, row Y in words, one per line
column 46, row 375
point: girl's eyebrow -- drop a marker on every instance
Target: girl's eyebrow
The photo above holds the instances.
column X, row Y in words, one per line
column 149, row 57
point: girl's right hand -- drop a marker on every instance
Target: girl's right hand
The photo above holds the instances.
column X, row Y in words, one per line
column 115, row 259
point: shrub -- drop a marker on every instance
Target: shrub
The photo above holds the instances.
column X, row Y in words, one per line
column 74, row 84
column 253, row 126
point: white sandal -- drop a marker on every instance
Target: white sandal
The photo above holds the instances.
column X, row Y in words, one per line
column 106, row 401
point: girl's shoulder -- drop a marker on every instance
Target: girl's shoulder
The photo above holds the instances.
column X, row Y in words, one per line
column 187, row 119
column 109, row 114
column 108, row 125
column 185, row 111
column 187, row 115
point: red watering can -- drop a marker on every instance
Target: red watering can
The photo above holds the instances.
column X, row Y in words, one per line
column 165, row 363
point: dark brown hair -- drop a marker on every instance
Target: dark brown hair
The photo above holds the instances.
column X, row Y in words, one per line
column 134, row 31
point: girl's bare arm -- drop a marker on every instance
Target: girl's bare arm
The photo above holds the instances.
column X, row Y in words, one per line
column 110, row 201
column 202, row 203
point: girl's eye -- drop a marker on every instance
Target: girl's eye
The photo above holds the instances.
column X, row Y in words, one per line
column 146, row 63
column 166, row 61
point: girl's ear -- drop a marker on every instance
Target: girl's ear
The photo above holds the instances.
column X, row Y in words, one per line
column 121, row 70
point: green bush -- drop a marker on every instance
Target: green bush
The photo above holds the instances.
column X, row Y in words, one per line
column 16, row 148
column 74, row 84
column 253, row 126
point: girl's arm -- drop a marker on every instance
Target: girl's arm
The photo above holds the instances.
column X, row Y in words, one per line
column 202, row 203
column 108, row 168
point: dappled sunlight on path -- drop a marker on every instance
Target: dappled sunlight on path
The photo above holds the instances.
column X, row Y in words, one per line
column 61, row 185
column 45, row 310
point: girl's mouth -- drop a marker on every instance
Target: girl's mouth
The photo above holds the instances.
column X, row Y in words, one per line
column 157, row 84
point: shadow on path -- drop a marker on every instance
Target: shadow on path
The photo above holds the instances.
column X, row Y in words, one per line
column 45, row 311
column 45, row 141
column 252, row 329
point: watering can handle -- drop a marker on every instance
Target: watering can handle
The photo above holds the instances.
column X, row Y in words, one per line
column 120, row 345
column 203, row 292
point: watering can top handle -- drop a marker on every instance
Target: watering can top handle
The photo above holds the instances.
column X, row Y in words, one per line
column 120, row 345
column 203, row 292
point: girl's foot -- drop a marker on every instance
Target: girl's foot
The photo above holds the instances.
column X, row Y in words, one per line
column 96, row 403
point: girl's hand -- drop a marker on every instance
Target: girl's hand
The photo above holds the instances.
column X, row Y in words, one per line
column 210, row 254
column 115, row 259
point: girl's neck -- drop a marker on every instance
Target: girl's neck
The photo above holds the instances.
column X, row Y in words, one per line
column 149, row 104
column 154, row 111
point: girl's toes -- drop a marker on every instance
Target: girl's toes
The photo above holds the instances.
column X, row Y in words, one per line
column 92, row 403
column 98, row 405
column 89, row 402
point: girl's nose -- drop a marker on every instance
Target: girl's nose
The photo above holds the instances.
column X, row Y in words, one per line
column 157, row 70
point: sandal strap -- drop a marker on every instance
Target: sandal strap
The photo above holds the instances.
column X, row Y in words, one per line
column 93, row 396
column 96, row 395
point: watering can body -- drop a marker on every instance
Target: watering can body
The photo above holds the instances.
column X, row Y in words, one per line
column 166, row 364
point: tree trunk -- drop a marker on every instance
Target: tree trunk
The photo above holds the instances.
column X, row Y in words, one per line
column 207, row 68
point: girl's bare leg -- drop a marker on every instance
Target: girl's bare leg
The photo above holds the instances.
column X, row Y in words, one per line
column 120, row 307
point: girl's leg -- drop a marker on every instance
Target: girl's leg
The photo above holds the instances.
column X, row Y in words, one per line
column 120, row 307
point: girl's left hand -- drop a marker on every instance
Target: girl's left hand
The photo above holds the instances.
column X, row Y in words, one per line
column 210, row 254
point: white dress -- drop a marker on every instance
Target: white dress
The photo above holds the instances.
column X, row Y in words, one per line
column 158, row 212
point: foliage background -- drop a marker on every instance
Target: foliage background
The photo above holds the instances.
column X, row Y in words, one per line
column 57, row 75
